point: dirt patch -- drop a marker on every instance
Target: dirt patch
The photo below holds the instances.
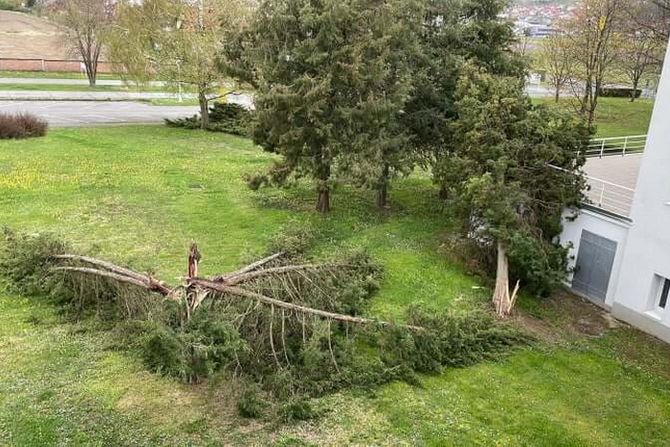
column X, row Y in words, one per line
column 564, row 316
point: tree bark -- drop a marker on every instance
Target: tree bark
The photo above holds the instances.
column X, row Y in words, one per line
column 633, row 94
column 585, row 98
column 204, row 109
column 323, row 190
column 502, row 300
column 90, row 74
column 382, row 190
column 193, row 261
column 323, row 200
column 557, row 93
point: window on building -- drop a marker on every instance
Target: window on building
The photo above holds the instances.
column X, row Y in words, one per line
column 665, row 290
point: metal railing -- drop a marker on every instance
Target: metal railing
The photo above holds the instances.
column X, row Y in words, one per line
column 605, row 147
column 610, row 197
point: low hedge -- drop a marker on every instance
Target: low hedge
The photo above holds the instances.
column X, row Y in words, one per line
column 223, row 117
column 22, row 125
column 619, row 92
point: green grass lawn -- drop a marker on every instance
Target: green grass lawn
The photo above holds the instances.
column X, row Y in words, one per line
column 615, row 117
column 174, row 102
column 140, row 194
column 51, row 75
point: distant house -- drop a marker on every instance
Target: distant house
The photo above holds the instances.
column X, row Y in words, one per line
column 621, row 240
column 533, row 29
column 539, row 30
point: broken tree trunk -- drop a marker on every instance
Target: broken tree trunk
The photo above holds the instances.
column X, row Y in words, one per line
column 193, row 260
column 502, row 299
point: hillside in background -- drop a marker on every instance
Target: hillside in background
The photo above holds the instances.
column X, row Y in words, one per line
column 24, row 36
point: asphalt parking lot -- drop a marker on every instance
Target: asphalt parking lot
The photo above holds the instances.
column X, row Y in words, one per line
column 87, row 113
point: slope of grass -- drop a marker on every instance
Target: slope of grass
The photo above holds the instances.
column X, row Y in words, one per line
column 140, row 194
column 615, row 117
column 619, row 117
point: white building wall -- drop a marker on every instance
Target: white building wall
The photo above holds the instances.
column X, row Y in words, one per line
column 648, row 248
column 642, row 258
column 607, row 227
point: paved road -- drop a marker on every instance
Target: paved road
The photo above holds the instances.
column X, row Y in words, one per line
column 83, row 113
column 18, row 95
column 242, row 99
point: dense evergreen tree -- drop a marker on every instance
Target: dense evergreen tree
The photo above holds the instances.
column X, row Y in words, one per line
column 455, row 32
column 332, row 78
column 512, row 170
column 363, row 89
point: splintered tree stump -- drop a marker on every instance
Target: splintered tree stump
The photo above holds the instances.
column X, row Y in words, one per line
column 194, row 258
column 502, row 299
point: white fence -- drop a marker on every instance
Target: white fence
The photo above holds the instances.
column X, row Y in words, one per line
column 609, row 196
column 605, row 147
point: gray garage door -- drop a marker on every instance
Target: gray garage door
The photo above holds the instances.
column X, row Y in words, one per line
column 594, row 265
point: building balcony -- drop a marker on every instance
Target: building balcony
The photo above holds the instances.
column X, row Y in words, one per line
column 612, row 168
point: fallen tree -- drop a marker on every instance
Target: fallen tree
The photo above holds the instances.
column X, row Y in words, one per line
column 287, row 327
column 195, row 290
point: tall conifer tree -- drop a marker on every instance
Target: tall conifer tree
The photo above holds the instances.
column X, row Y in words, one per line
column 332, row 78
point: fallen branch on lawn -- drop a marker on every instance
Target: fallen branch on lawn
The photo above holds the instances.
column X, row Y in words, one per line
column 253, row 266
column 195, row 290
column 224, row 288
column 120, row 273
column 233, row 280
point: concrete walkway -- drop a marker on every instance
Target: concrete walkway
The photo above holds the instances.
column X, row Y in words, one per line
column 620, row 170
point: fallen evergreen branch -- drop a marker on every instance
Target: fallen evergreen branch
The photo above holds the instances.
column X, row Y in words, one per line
column 225, row 284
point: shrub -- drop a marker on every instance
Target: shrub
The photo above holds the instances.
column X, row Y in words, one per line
column 251, row 403
column 223, row 117
column 191, row 122
column 22, row 125
column 619, row 92
column 230, row 118
column 297, row 409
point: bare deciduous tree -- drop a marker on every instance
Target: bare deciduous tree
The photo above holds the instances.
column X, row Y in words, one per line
column 639, row 53
column 177, row 41
column 85, row 23
column 653, row 16
column 593, row 31
column 557, row 61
